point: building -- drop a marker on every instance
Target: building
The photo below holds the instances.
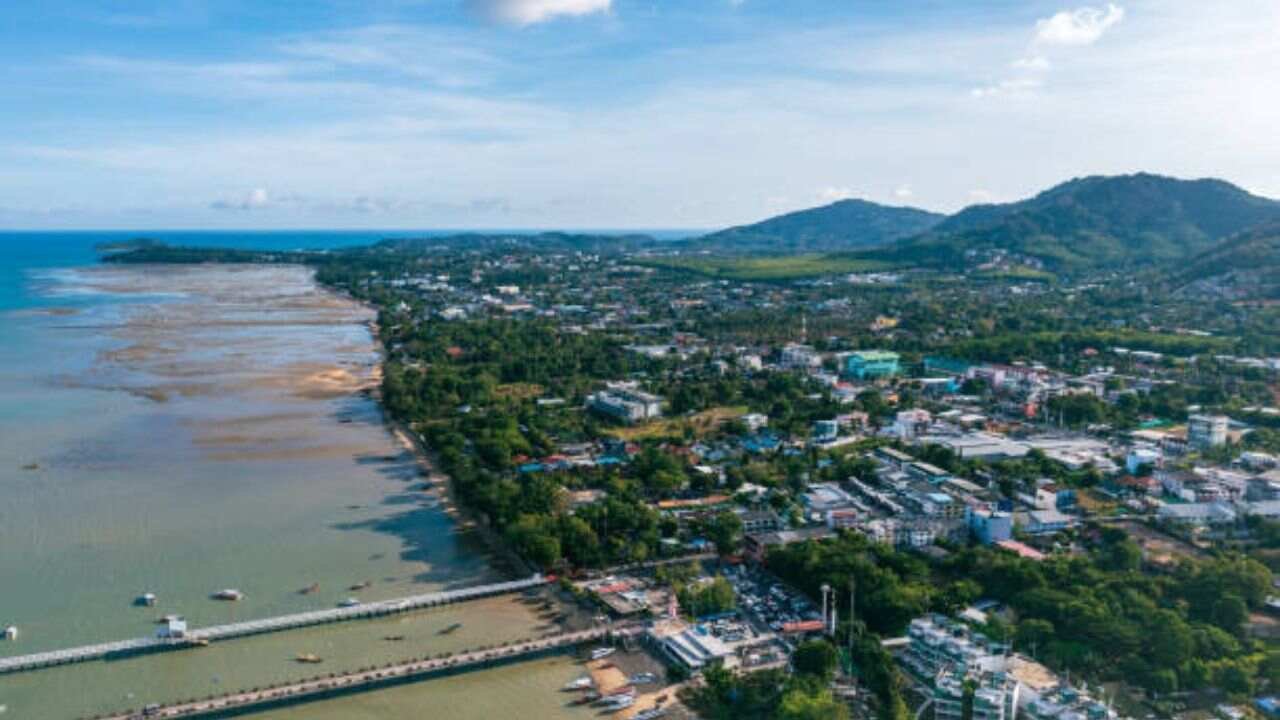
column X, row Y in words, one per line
column 1140, row 457
column 694, row 648
column 626, row 402
column 910, row 423
column 871, row 364
column 759, row 521
column 1216, row 513
column 799, row 357
column 1206, row 431
column 990, row 526
column 826, row 431
column 1047, row 522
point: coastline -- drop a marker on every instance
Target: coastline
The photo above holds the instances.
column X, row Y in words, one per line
column 426, row 459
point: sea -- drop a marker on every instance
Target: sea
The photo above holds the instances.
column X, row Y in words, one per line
column 180, row 430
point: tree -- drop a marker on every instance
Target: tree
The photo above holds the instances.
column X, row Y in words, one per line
column 1034, row 633
column 800, row 704
column 816, row 658
column 1230, row 613
column 724, row 530
column 1122, row 556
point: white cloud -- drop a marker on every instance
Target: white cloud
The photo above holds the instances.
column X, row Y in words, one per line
column 1082, row 26
column 530, row 12
column 1012, row 86
column 904, row 192
column 1033, row 63
column 981, row 196
column 255, row 199
column 835, row 194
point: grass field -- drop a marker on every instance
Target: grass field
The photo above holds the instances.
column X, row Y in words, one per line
column 766, row 268
column 704, row 423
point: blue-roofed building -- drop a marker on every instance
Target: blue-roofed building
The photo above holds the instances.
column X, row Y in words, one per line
column 871, row 364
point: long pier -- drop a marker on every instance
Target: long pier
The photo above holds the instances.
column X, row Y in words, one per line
column 202, row 636
column 242, row 702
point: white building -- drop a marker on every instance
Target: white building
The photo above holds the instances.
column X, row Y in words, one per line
column 626, row 402
column 799, row 357
column 1206, row 431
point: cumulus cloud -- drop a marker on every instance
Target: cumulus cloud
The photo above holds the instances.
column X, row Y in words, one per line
column 904, row 192
column 531, row 12
column 1082, row 26
column 255, row 199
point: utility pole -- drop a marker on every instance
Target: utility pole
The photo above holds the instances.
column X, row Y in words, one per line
column 826, row 620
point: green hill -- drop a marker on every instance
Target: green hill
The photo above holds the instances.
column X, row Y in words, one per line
column 1246, row 265
column 843, row 225
column 1090, row 223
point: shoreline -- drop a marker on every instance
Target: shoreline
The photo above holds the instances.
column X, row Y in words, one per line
column 464, row 517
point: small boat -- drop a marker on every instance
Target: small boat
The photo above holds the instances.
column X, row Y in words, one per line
column 313, row 587
column 451, row 629
column 145, row 600
column 621, row 703
column 618, row 692
column 650, row 714
column 11, row 632
column 31, row 466
column 229, row 594
column 349, row 602
column 198, row 642
column 586, row 698
column 309, row 658
column 360, row 586
column 393, row 638
column 642, row 679
column 167, row 619
column 602, row 653
column 581, row 683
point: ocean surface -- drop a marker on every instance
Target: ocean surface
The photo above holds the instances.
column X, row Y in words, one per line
column 180, row 430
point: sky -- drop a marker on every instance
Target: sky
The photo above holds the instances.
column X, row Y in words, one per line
column 611, row 113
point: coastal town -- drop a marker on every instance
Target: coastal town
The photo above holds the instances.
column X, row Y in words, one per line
column 836, row 489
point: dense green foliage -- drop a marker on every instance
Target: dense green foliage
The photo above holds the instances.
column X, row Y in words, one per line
column 1092, row 223
column 843, row 225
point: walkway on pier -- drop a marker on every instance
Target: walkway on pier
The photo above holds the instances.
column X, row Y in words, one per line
column 266, row 625
column 372, row 678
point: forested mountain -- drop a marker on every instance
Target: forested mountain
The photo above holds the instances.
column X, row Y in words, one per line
column 1091, row 222
column 843, row 225
column 1246, row 265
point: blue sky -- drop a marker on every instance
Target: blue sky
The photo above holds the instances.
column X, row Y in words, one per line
column 610, row 113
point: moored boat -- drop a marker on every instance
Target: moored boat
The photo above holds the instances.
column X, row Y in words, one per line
column 229, row 595
column 309, row 658
column 602, row 652
column 581, row 683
